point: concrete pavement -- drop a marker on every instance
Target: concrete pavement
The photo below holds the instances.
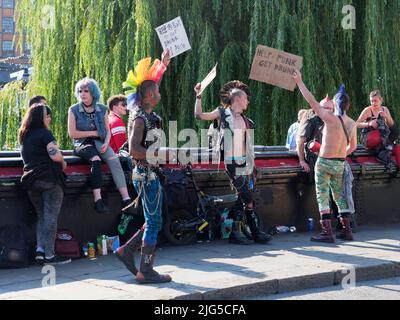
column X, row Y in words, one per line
column 384, row 289
column 219, row 270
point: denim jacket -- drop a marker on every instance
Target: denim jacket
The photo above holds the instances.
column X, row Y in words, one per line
column 82, row 123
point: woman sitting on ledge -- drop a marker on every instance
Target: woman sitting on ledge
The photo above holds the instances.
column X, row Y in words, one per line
column 89, row 129
column 378, row 128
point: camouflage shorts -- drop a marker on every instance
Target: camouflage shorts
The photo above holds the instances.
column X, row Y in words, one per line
column 329, row 176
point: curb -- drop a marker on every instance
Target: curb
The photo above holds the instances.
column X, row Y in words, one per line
column 292, row 284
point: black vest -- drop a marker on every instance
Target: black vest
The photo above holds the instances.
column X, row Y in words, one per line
column 151, row 122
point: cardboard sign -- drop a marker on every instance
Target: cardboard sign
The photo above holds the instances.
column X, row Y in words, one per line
column 173, row 37
column 275, row 67
column 208, row 79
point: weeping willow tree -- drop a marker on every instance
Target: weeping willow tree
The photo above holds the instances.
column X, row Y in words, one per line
column 12, row 101
column 103, row 39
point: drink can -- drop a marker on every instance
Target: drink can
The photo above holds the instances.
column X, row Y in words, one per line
column 91, row 251
column 251, row 183
column 310, row 224
column 85, row 251
column 104, row 245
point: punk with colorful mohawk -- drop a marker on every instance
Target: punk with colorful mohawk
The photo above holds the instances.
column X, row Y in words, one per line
column 144, row 70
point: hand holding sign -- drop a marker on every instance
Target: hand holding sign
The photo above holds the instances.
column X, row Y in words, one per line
column 173, row 37
column 275, row 67
column 208, row 79
column 166, row 58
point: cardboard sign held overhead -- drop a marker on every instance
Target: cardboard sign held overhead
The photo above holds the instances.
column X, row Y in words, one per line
column 173, row 37
column 275, row 67
column 208, row 79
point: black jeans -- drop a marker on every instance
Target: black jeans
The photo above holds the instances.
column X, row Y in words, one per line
column 241, row 183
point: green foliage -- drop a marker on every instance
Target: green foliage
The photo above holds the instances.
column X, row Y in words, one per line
column 12, row 98
column 103, row 39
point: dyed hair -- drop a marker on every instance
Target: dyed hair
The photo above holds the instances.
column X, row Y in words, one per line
column 345, row 106
column 93, row 87
column 114, row 100
column 33, row 119
column 36, row 99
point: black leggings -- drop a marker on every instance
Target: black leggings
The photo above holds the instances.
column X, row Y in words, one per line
column 87, row 151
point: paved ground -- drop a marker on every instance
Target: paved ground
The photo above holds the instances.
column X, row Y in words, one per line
column 219, row 270
column 386, row 289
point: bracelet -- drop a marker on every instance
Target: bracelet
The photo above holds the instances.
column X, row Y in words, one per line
column 198, row 96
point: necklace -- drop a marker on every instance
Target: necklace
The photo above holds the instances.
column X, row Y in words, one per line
column 86, row 105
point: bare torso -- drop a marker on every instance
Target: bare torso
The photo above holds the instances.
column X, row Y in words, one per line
column 334, row 143
column 239, row 141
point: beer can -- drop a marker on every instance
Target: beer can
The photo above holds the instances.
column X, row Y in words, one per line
column 310, row 224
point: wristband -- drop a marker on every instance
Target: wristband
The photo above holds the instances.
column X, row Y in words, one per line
column 198, row 96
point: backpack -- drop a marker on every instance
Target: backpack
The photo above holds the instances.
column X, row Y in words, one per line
column 175, row 185
column 13, row 248
column 66, row 245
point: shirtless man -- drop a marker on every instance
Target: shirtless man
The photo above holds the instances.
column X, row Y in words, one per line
column 237, row 156
column 332, row 156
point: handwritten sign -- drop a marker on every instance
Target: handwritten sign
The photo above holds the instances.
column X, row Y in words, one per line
column 208, row 79
column 173, row 37
column 275, row 67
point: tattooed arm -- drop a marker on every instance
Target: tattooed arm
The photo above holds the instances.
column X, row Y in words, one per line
column 55, row 154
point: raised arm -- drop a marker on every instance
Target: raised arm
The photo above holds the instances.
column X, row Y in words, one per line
column 198, row 111
column 323, row 114
column 76, row 134
column 166, row 59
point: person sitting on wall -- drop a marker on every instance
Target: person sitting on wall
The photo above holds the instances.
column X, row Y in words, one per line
column 309, row 138
column 118, row 108
column 378, row 129
column 291, row 144
column 89, row 129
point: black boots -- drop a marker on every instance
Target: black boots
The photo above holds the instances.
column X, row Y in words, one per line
column 126, row 253
column 327, row 234
column 346, row 233
column 258, row 235
column 237, row 236
column 147, row 274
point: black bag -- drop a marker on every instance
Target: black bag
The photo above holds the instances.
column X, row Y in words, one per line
column 176, row 188
column 13, row 248
column 125, row 160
